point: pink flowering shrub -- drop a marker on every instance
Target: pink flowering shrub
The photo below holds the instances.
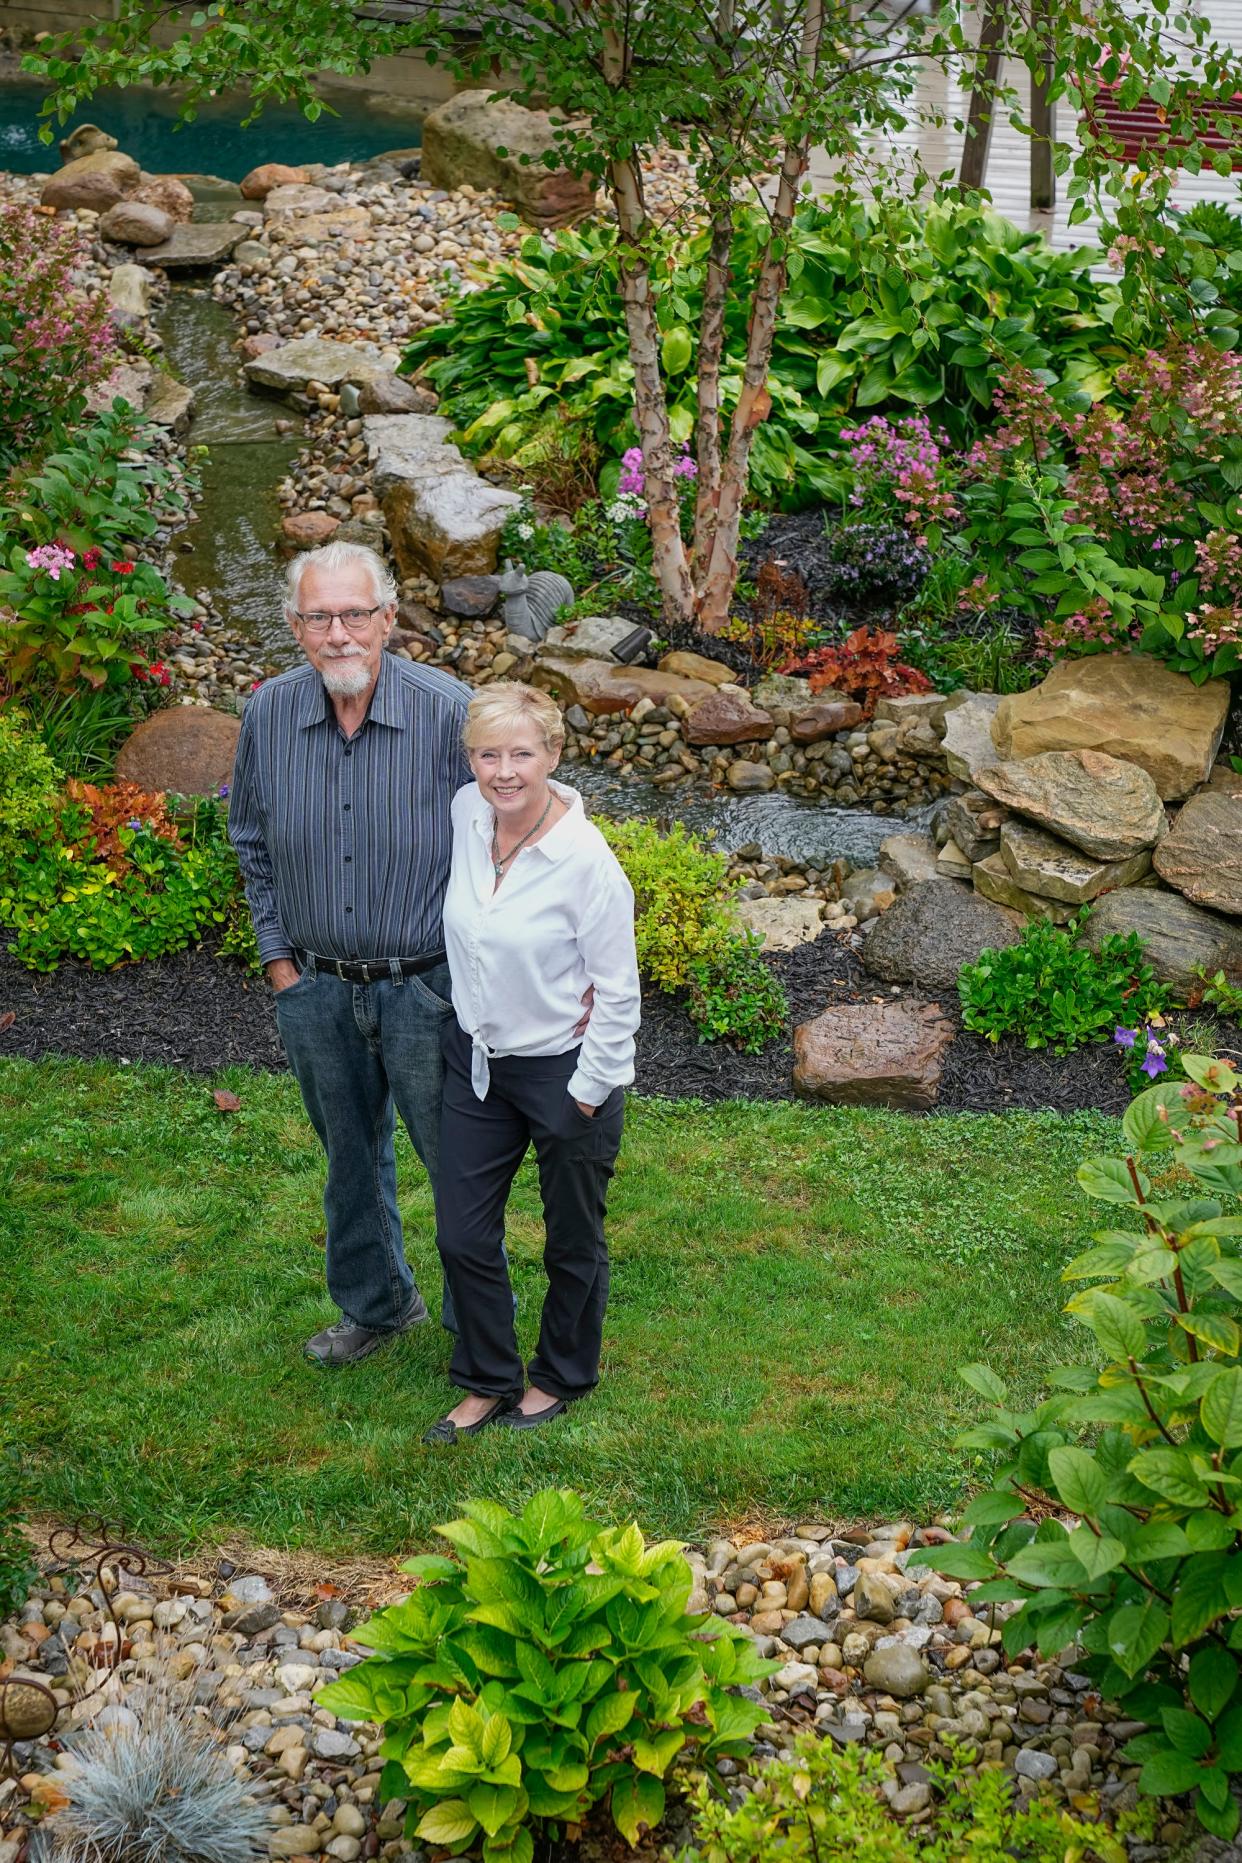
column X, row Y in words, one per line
column 1117, row 525
column 65, row 617
column 56, row 342
column 900, row 462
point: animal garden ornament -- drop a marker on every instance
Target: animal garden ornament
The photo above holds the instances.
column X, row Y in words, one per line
column 531, row 602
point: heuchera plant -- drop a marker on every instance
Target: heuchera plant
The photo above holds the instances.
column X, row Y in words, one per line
column 865, row 667
column 1140, row 1452
column 552, row 1667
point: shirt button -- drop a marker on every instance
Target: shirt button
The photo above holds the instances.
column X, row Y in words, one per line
column 349, row 908
column 348, row 858
column 349, row 753
column 347, row 806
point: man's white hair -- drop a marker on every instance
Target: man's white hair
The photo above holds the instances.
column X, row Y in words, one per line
column 334, row 556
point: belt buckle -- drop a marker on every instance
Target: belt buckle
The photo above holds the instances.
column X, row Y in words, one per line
column 340, row 971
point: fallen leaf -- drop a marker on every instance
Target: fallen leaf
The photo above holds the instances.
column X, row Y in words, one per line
column 46, row 1792
column 8, row 1019
column 226, row 1101
column 325, row 1591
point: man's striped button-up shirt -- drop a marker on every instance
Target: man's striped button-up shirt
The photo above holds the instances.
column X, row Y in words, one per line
column 344, row 843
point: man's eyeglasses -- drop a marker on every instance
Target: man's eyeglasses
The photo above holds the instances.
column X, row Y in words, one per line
column 318, row 621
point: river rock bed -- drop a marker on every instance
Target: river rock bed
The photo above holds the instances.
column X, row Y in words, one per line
column 868, row 1651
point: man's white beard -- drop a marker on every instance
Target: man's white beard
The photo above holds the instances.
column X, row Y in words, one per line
column 347, row 676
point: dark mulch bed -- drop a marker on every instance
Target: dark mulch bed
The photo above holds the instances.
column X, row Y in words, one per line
column 195, row 1012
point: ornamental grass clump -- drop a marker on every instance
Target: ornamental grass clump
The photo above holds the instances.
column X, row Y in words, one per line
column 1141, row 1447
column 549, row 1668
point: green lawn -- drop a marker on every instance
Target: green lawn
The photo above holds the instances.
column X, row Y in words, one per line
column 792, row 1290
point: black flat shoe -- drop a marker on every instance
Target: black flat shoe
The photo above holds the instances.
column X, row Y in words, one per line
column 523, row 1420
column 444, row 1430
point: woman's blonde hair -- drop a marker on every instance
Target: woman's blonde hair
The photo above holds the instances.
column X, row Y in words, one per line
column 504, row 707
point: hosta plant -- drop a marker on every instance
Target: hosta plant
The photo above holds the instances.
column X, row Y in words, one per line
column 550, row 1667
column 1142, row 1449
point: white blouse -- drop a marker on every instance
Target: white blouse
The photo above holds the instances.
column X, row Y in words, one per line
column 523, row 955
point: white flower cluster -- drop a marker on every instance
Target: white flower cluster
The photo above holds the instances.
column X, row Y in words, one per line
column 526, row 532
column 626, row 508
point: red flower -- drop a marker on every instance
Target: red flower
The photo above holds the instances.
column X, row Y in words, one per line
column 90, row 559
column 140, row 669
column 159, row 671
column 123, row 569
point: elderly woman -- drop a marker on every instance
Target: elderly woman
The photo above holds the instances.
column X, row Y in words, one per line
column 538, row 919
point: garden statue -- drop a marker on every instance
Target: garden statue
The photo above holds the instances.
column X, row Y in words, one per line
column 86, row 139
column 530, row 602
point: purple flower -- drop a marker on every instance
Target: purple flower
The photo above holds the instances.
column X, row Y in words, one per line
column 1154, row 1062
column 1124, row 1038
column 223, row 791
column 135, row 824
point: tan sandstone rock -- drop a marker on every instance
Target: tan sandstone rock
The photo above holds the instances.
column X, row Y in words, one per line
column 188, row 750
column 600, row 686
column 727, row 717
column 1105, row 807
column 462, row 140
column 697, row 666
column 258, row 184
column 1202, row 856
column 872, row 1054
column 96, row 181
column 1127, row 705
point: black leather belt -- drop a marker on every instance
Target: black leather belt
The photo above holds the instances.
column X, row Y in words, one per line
column 373, row 970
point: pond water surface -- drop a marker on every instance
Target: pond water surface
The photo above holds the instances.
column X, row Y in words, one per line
column 144, row 123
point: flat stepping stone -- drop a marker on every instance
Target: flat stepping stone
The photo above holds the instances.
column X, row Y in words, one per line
column 314, row 359
column 872, row 1054
column 196, row 246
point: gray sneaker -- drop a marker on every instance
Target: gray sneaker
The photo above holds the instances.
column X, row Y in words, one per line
column 345, row 1342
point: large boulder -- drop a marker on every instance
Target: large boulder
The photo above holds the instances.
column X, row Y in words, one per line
column 406, row 446
column 933, row 930
column 96, row 181
column 967, row 743
column 197, row 247
column 446, row 524
column 462, row 142
column 306, row 530
column 1179, row 939
column 872, row 1054
column 1105, row 807
column 258, row 184
column 1041, row 863
column 728, row 717
column 288, row 369
column 167, row 192
column 1128, row 705
column 601, row 686
column 170, row 403
column 188, row 749
column 1202, row 856
column 136, row 223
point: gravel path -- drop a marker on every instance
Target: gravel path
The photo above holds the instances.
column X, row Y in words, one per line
column 195, row 1012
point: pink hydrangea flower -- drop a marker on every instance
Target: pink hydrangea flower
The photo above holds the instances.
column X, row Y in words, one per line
column 54, row 557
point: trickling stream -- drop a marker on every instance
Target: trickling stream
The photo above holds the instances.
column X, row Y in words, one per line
column 229, row 546
column 229, row 549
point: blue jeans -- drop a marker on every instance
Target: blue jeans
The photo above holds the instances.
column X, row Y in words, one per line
column 355, row 1050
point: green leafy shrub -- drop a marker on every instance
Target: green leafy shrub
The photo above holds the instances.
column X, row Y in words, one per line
column 1142, row 1445
column 517, row 1686
column 81, row 605
column 28, row 783
column 64, row 897
column 1221, row 993
column 889, row 306
column 1057, row 993
column 827, row 1806
column 688, row 937
column 683, row 907
column 735, row 998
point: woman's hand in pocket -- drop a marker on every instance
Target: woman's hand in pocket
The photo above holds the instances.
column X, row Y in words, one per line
column 588, row 1112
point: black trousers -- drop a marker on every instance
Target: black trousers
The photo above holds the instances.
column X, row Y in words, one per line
column 482, row 1143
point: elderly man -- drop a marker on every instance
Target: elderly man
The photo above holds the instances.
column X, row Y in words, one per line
column 340, row 816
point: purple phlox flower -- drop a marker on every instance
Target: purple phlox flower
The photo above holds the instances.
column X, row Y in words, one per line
column 1124, row 1038
column 223, row 791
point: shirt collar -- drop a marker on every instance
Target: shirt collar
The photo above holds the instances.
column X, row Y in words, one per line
column 387, row 705
column 559, row 840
